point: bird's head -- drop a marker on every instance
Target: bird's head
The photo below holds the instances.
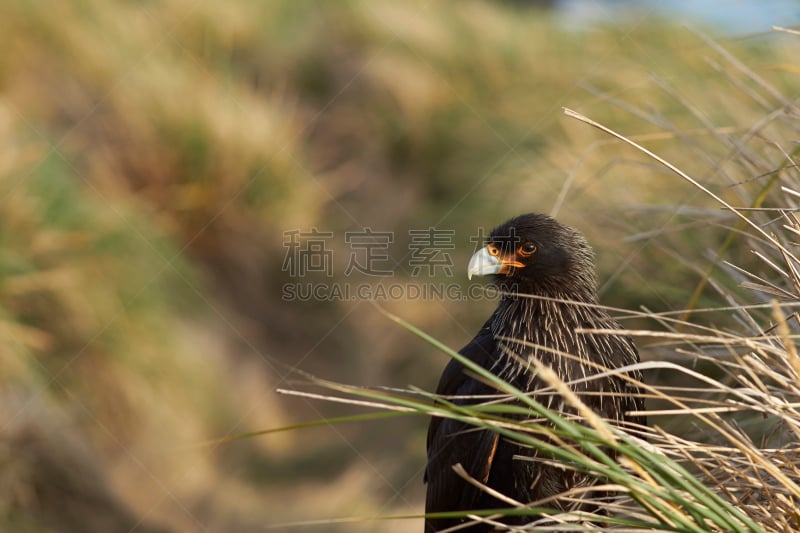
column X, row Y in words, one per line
column 535, row 254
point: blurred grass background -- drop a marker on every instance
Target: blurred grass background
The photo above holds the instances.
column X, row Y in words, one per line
column 155, row 154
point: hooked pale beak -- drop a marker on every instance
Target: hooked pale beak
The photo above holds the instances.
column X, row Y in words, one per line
column 483, row 263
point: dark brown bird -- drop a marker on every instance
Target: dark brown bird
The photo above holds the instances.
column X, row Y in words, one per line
column 552, row 264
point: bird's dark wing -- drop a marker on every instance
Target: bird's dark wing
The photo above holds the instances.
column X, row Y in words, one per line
column 452, row 442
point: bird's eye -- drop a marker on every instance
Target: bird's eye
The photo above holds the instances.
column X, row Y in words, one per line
column 527, row 249
column 493, row 250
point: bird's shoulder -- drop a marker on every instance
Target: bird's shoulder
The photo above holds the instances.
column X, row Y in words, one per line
column 480, row 350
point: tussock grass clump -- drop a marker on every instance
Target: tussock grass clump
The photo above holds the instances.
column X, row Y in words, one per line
column 98, row 362
column 730, row 465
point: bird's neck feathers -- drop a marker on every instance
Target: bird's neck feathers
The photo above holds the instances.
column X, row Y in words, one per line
column 543, row 327
column 536, row 315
